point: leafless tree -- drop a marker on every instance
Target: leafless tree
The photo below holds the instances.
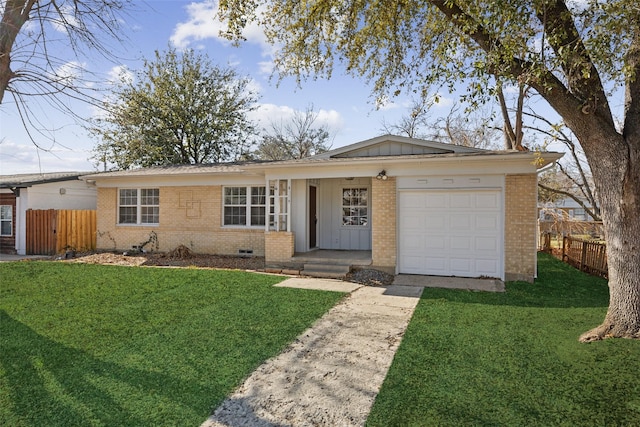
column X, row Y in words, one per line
column 299, row 137
column 42, row 44
column 416, row 124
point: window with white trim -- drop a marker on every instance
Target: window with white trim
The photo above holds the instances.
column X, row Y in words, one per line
column 244, row 206
column 139, row 206
column 355, row 207
column 6, row 220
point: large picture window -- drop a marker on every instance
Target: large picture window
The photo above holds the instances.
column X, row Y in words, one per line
column 140, row 206
column 355, row 207
column 245, row 206
column 6, row 220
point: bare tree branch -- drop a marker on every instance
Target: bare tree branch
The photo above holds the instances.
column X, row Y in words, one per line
column 571, row 196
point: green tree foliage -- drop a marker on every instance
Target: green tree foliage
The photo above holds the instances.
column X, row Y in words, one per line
column 573, row 54
column 297, row 138
column 179, row 109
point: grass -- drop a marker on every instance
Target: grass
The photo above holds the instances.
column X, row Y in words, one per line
column 512, row 359
column 91, row 345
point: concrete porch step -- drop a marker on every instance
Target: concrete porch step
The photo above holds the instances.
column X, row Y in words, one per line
column 333, row 257
column 334, row 271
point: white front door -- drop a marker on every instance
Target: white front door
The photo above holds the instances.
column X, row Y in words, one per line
column 450, row 233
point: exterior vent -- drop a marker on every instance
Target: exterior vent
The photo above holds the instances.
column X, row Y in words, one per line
column 245, row 251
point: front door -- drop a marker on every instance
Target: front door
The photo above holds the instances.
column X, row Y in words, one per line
column 313, row 217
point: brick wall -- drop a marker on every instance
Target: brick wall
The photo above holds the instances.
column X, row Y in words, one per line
column 279, row 246
column 520, row 227
column 190, row 216
column 383, row 222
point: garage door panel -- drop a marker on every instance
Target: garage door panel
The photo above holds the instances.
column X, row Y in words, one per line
column 414, row 222
column 414, row 201
column 486, row 222
column 435, row 221
column 435, row 242
column 461, row 221
column 461, row 266
column 436, row 265
column 461, row 243
column 450, row 233
column 461, row 200
column 413, row 243
column 435, row 201
column 487, row 201
column 486, row 267
column 413, row 263
column 486, row 244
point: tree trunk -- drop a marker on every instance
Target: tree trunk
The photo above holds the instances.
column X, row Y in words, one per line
column 618, row 180
column 15, row 14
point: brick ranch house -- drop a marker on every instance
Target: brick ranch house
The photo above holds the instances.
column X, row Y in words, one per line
column 418, row 207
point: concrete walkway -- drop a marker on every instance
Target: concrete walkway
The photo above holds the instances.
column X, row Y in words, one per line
column 470, row 284
column 14, row 257
column 332, row 373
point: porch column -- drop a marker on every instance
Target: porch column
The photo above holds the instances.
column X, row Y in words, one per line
column 278, row 246
column 383, row 223
column 279, row 242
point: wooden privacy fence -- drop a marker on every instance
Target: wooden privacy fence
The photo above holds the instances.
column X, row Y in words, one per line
column 51, row 231
column 590, row 257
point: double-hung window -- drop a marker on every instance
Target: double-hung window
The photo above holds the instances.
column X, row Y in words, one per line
column 139, row 206
column 355, row 207
column 6, row 220
column 244, row 206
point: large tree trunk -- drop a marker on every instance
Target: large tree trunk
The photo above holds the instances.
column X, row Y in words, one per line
column 617, row 177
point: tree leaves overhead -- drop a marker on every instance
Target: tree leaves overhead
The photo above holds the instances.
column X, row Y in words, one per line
column 180, row 109
column 408, row 44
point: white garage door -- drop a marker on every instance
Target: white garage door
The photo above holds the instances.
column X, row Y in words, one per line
column 450, row 233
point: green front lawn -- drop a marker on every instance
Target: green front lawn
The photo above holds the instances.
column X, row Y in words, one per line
column 123, row 346
column 513, row 359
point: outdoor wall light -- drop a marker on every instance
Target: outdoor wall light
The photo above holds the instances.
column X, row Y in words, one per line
column 382, row 175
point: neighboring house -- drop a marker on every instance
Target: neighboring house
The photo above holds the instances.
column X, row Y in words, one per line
column 563, row 209
column 18, row 193
column 419, row 207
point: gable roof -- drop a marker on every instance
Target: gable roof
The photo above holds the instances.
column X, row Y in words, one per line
column 382, row 151
column 30, row 179
column 394, row 145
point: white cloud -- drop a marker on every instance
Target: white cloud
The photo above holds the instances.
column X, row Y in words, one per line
column 440, row 101
column 332, row 118
column 27, row 158
column 120, row 73
column 203, row 23
column 266, row 114
column 266, row 67
column 65, row 19
column 255, row 87
column 383, row 103
column 69, row 72
column 577, row 5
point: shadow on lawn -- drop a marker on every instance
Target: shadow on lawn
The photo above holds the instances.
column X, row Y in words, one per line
column 52, row 384
column 558, row 286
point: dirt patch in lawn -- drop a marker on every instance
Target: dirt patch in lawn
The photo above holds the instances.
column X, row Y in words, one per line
column 167, row 260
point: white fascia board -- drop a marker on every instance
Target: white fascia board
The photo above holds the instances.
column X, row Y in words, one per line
column 181, row 180
column 370, row 167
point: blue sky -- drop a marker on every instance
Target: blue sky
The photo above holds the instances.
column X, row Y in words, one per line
column 343, row 102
